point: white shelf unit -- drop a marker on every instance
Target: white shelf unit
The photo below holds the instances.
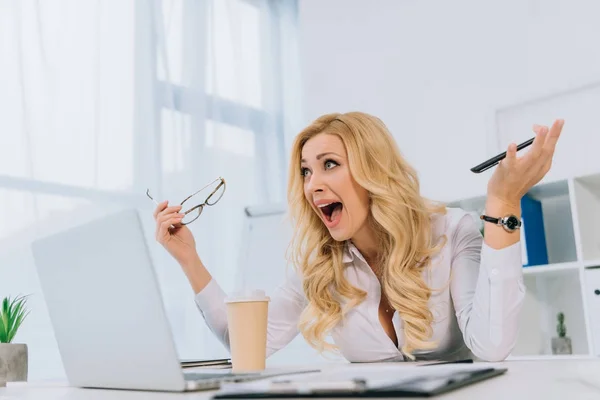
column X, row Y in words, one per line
column 570, row 282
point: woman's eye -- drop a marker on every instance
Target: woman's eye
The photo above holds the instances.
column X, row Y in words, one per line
column 330, row 164
column 304, row 172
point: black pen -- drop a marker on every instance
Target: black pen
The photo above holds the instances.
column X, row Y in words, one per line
column 496, row 159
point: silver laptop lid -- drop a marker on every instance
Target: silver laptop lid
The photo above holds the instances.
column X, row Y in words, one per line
column 106, row 308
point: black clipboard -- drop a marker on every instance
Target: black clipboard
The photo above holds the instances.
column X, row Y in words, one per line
column 425, row 385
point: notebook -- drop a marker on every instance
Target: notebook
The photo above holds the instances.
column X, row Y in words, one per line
column 212, row 364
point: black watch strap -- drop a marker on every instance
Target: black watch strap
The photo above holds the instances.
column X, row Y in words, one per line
column 493, row 220
column 510, row 223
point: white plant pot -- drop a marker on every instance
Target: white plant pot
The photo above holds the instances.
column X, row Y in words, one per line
column 561, row 345
column 13, row 362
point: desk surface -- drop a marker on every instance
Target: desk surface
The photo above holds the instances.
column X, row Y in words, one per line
column 548, row 379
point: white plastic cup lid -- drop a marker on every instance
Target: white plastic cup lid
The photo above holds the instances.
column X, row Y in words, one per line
column 247, row 295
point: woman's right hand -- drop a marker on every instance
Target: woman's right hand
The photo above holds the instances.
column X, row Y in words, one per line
column 176, row 238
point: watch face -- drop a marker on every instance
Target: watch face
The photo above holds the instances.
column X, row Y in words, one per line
column 512, row 222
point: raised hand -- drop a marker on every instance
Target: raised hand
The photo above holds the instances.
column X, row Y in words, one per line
column 514, row 176
column 177, row 239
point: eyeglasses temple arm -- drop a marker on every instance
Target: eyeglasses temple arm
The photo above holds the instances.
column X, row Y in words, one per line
column 150, row 197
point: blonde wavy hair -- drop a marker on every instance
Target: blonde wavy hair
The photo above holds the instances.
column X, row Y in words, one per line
column 401, row 219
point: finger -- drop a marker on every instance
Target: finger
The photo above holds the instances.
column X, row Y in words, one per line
column 165, row 219
column 166, row 216
column 169, row 210
column 161, row 206
column 163, row 231
column 511, row 155
column 537, row 128
column 538, row 142
column 553, row 136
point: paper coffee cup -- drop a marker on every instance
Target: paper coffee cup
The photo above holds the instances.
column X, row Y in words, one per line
column 247, row 314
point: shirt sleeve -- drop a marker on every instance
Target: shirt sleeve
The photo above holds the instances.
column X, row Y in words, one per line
column 285, row 307
column 487, row 291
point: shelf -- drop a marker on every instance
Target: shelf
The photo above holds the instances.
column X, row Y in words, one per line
column 549, row 190
column 557, row 268
column 551, row 357
column 558, row 222
column 591, row 286
column 558, row 231
column 569, row 281
column 546, row 295
column 587, row 198
column 591, row 263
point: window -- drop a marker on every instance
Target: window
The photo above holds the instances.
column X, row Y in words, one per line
column 102, row 100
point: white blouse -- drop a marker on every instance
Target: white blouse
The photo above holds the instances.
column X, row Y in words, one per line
column 475, row 316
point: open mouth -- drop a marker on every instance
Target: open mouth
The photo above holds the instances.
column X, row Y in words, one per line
column 332, row 211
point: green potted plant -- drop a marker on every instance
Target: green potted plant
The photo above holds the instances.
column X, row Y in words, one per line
column 562, row 343
column 13, row 356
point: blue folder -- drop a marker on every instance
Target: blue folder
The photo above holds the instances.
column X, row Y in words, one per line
column 532, row 234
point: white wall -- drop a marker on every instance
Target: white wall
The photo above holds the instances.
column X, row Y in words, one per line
column 437, row 71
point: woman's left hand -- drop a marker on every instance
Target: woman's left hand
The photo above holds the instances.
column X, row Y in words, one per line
column 515, row 176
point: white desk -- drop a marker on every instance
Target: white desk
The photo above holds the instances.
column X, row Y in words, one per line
column 532, row 380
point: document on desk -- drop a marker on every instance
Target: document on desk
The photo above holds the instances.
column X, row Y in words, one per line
column 393, row 381
column 211, row 364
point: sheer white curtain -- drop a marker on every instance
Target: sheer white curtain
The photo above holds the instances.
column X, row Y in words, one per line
column 101, row 100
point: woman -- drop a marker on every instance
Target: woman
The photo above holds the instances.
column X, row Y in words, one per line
column 386, row 273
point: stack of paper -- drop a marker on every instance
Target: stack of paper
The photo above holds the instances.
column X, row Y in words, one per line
column 212, row 364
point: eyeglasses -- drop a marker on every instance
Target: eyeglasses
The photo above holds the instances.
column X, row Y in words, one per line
column 193, row 213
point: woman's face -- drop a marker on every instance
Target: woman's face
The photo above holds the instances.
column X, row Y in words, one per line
column 340, row 202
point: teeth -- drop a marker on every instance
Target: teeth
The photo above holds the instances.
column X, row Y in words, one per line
column 325, row 205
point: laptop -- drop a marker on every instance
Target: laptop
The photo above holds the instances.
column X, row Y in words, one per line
column 106, row 309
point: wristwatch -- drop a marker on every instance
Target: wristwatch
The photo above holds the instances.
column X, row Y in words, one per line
column 510, row 222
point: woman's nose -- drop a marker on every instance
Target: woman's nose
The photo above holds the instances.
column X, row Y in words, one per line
column 315, row 184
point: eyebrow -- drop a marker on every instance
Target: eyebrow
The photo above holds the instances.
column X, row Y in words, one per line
column 319, row 156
